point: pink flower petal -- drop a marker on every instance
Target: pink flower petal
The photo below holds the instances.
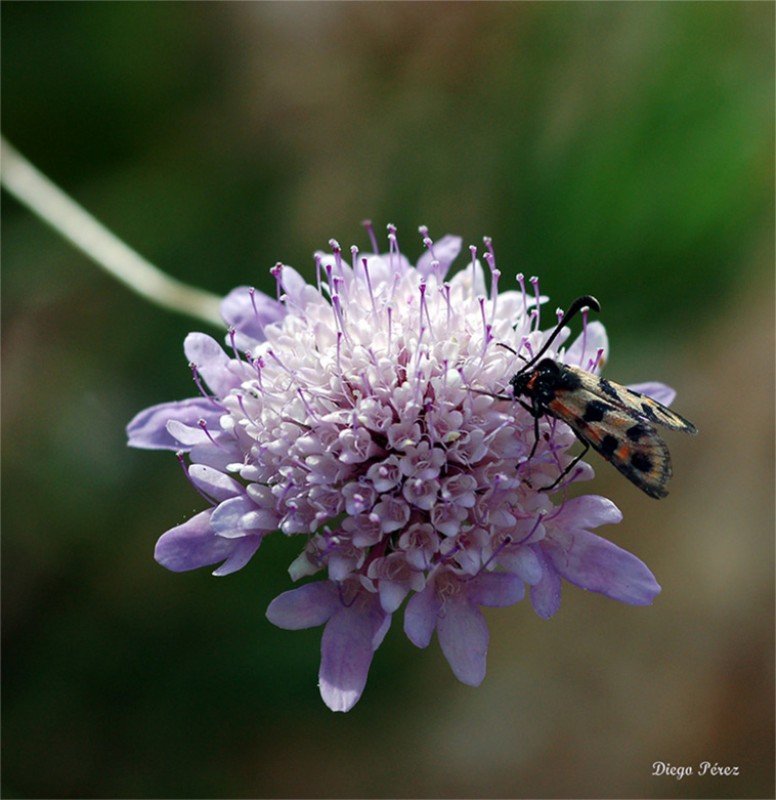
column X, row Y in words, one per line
column 239, row 516
column 212, row 363
column 148, row 429
column 585, row 511
column 595, row 564
column 463, row 637
column 347, row 649
column 305, row 607
column 248, row 312
column 545, row 593
column 241, row 554
column 420, row 616
column 445, row 251
column 214, row 483
column 497, row 589
column 191, row 545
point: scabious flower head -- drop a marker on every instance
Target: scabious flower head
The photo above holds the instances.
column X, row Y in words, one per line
column 358, row 414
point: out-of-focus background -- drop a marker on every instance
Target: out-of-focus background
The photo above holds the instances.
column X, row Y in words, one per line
column 620, row 149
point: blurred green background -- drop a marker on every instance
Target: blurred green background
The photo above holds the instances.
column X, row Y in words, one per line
column 620, row 149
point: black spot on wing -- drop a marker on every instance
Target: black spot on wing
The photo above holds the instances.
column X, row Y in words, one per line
column 637, row 432
column 648, row 467
column 641, row 462
column 595, row 411
column 667, row 417
column 608, row 445
column 640, row 455
column 655, row 412
column 607, row 389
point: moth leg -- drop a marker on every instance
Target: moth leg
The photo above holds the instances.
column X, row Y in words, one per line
column 537, row 414
column 491, row 394
column 567, row 470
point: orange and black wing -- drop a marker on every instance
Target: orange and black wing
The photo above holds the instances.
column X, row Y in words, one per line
column 641, row 404
column 633, row 446
column 622, row 432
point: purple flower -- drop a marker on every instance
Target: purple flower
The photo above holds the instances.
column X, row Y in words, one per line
column 358, row 415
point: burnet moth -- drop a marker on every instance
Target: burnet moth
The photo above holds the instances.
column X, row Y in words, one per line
column 617, row 422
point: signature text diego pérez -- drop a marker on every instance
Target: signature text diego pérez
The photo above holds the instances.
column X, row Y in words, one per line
column 680, row 771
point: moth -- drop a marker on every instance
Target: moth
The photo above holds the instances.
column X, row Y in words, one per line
column 617, row 422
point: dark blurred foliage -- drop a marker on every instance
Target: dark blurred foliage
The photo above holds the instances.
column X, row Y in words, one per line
column 619, row 149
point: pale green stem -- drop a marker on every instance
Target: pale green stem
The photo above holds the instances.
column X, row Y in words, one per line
column 34, row 190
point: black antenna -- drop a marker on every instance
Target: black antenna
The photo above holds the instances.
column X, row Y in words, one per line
column 586, row 301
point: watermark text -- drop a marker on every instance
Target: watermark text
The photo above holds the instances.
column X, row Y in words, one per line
column 679, row 771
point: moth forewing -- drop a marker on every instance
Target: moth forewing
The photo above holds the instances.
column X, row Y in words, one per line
column 657, row 412
column 621, row 436
column 632, row 401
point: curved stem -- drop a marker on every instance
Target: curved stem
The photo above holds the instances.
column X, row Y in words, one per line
column 34, row 190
